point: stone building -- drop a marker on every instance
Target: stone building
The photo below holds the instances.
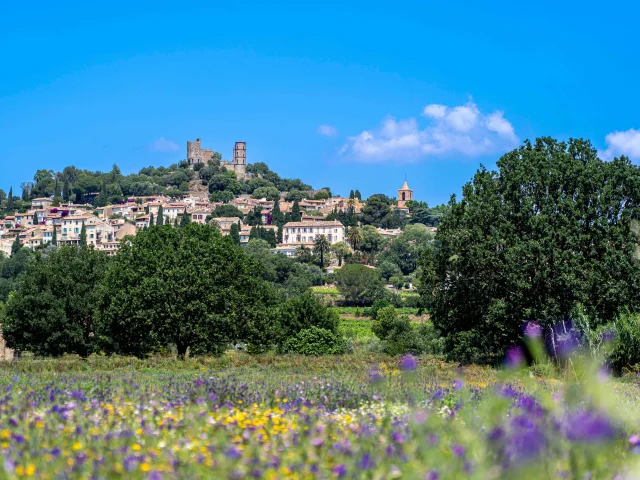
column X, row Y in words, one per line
column 404, row 195
column 307, row 232
column 197, row 154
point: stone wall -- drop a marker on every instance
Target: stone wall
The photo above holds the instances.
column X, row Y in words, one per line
column 196, row 154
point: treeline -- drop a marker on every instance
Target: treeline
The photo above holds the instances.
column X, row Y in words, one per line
column 188, row 289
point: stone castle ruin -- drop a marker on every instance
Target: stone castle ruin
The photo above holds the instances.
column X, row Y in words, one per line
column 196, row 154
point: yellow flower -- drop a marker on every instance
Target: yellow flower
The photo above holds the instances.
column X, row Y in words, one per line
column 31, row 469
column 20, row 470
column 5, row 434
column 145, row 467
column 39, row 424
column 136, row 447
column 76, row 446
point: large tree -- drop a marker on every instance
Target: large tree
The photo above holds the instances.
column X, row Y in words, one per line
column 321, row 247
column 188, row 287
column 551, row 230
column 359, row 284
column 52, row 311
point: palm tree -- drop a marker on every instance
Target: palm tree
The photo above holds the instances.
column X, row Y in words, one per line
column 320, row 247
column 354, row 236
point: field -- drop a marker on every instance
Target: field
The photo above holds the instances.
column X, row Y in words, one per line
column 355, row 416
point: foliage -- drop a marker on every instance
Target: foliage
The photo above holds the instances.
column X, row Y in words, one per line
column 226, row 211
column 188, row 287
column 552, row 229
column 341, row 251
column 303, row 312
column 52, row 311
column 398, row 335
column 315, row 341
column 321, row 247
column 359, row 284
column 11, row 269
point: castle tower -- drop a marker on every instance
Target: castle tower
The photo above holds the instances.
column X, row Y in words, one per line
column 240, row 159
column 404, row 195
column 195, row 154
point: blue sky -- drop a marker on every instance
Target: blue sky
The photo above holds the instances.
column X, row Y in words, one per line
column 340, row 94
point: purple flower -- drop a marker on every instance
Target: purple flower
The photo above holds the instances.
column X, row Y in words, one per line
column 233, row 453
column 366, row 462
column 458, row 384
column 340, row 471
column 408, row 362
column 634, row 439
column 458, row 450
column 317, row 441
column 375, row 376
column 588, row 426
column 533, row 330
column 515, row 357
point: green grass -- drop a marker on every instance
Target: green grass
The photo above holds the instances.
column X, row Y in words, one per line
column 359, row 330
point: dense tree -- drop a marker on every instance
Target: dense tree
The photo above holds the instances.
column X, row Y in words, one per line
column 234, row 233
column 377, row 207
column 295, row 212
column 359, row 284
column 83, row 235
column 16, row 245
column 186, row 219
column 52, row 312
column 321, row 247
column 268, row 193
column 277, row 217
column 404, row 250
column 551, row 230
column 303, row 312
column 226, row 211
column 188, row 287
column 11, row 269
column 160, row 220
column 354, row 237
column 54, row 237
column 254, row 217
column 341, row 251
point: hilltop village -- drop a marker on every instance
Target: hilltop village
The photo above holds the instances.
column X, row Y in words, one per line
column 205, row 189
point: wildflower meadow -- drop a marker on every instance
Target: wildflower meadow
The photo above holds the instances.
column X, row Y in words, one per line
column 356, row 416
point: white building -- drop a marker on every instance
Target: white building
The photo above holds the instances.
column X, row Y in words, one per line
column 295, row 233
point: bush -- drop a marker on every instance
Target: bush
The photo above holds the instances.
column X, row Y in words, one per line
column 625, row 353
column 375, row 308
column 304, row 312
column 315, row 341
column 398, row 336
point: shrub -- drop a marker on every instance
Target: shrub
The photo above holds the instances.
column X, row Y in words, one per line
column 303, row 312
column 315, row 341
column 626, row 348
column 398, row 336
column 375, row 308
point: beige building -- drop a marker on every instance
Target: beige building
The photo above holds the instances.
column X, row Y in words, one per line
column 404, row 195
column 97, row 230
column 307, row 232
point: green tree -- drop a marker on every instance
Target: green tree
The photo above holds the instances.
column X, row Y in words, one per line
column 160, row 220
column 354, row 237
column 551, row 230
column 359, row 284
column 54, row 237
column 52, row 312
column 226, row 211
column 321, row 247
column 10, row 203
column 302, row 312
column 377, row 208
column 269, row 193
column 34, row 220
column 151, row 220
column 277, row 217
column 186, row 219
column 189, row 287
column 358, row 195
column 341, row 251
column 83, row 235
column 234, row 233
column 16, row 245
column 295, row 212
column 352, row 194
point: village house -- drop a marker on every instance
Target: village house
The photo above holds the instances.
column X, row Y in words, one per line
column 199, row 216
column 41, row 203
column 224, row 223
column 307, row 232
column 5, row 247
column 97, row 230
column 142, row 221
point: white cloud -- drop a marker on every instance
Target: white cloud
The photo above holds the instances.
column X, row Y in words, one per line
column 434, row 110
column 327, row 131
column 461, row 129
column 163, row 145
column 622, row 143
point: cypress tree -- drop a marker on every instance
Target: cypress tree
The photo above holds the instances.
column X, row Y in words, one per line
column 175, row 223
column 358, row 195
column 352, row 195
column 185, row 219
column 35, row 218
column 65, row 191
column 279, row 233
column 10, row 199
column 54, row 237
column 277, row 218
column 234, row 232
column 160, row 220
column 83, row 236
column 16, row 246
column 151, row 220
column 295, row 212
